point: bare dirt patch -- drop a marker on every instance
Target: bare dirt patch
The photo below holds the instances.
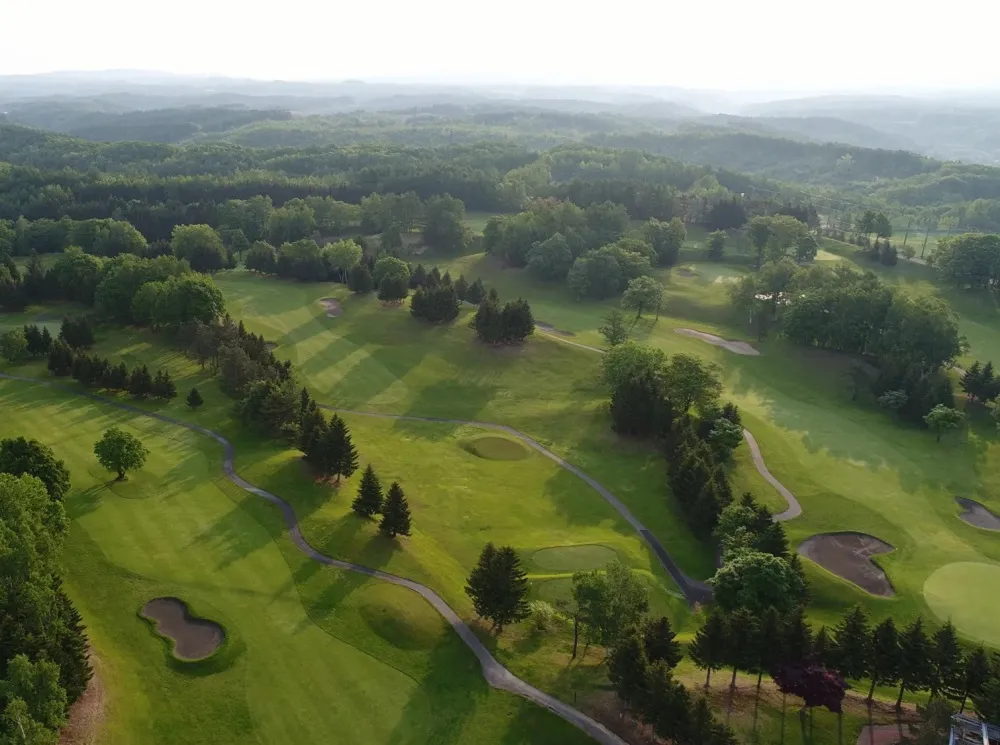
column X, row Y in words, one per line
column 977, row 514
column 194, row 638
column 552, row 329
column 331, row 306
column 737, row 347
column 883, row 734
column 86, row 715
column 272, row 345
column 685, row 272
column 848, row 555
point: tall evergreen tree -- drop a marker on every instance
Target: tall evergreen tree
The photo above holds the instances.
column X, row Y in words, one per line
column 395, row 513
column 70, row 649
column 915, row 667
column 116, row 378
column 140, row 382
column 476, row 292
column 628, row 670
column 163, row 386
column 796, row 639
column 488, row 321
column 498, row 587
column 60, row 358
column 971, row 382
column 46, row 341
column 360, row 280
column 340, row 457
column 419, row 277
column 947, row 669
column 708, row 650
column 975, row 673
column 660, row 642
column 822, row 648
column 312, row 435
column 461, row 287
column 369, row 499
column 884, row 656
column 194, row 399
column 768, row 640
column 850, row 650
column 741, row 642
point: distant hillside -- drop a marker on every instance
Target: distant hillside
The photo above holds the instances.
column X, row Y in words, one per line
column 103, row 121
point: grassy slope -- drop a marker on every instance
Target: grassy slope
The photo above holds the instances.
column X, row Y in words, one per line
column 852, row 468
column 309, row 646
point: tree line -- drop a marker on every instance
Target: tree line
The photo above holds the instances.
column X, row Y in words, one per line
column 44, row 664
column 911, row 340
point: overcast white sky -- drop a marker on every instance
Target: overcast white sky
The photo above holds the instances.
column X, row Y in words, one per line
column 729, row 44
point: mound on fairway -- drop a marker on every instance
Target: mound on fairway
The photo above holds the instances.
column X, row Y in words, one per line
column 848, row 555
column 686, row 272
column 572, row 558
column 977, row 514
column 492, row 447
column 737, row 347
column 961, row 592
column 331, row 306
column 194, row 638
column 398, row 620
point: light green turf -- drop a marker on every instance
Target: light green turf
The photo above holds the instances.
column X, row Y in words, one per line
column 965, row 593
column 572, row 558
column 315, row 648
column 492, row 447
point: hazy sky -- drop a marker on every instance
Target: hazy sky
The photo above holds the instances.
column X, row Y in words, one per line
column 733, row 44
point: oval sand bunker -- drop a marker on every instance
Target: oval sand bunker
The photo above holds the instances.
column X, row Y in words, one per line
column 331, row 306
column 737, row 347
column 497, row 448
column 848, row 555
column 194, row 638
column 977, row 514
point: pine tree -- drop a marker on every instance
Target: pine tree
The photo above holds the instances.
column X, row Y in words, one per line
column 822, row 647
column 340, row 457
column 975, row 673
column 369, row 499
column 946, row 662
column 116, row 378
column 796, row 638
column 516, row 322
column 419, row 277
column 70, row 650
column 741, row 642
column 446, row 278
column 360, row 280
column 768, row 639
column 99, row 368
column 480, row 583
column 915, row 669
column 989, row 384
column 140, row 382
column 851, row 639
column 628, row 670
column 46, row 344
column 884, row 656
column 82, row 369
column 194, row 399
column 461, row 287
column 163, row 386
column 312, row 434
column 33, row 336
column 660, row 643
column 488, row 321
column 708, row 649
column 971, row 382
column 476, row 292
column 434, row 277
column 395, row 513
column 60, row 358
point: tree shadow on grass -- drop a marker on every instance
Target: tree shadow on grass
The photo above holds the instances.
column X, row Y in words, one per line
column 229, row 538
column 450, row 691
column 446, row 399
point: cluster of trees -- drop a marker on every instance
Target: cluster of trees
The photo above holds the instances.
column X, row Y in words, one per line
column 326, row 445
column 777, row 237
column 307, row 261
column 393, row 506
column 676, row 401
column 970, row 260
column 100, row 237
column 510, row 324
column 98, row 372
column 43, row 646
column 911, row 339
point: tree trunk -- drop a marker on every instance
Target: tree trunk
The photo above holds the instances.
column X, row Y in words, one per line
column 732, row 682
column 760, row 674
column 899, row 700
column 708, row 678
column 871, row 692
column 840, row 728
column 576, row 632
column 965, row 697
column 802, row 724
column 121, row 476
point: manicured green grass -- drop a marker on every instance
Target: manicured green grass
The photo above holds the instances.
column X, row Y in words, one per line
column 315, row 648
column 961, row 592
column 572, row 558
column 477, row 220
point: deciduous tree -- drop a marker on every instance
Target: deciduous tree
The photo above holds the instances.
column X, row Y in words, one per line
column 120, row 452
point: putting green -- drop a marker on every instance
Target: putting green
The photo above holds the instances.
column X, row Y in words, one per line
column 497, row 448
column 960, row 592
column 572, row 558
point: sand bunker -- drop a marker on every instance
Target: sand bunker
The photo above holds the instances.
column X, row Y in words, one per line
column 194, row 638
column 738, row 347
column 331, row 306
column 685, row 272
column 977, row 514
column 552, row 329
column 848, row 555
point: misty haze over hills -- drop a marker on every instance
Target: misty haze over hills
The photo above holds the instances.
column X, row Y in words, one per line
column 123, row 105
